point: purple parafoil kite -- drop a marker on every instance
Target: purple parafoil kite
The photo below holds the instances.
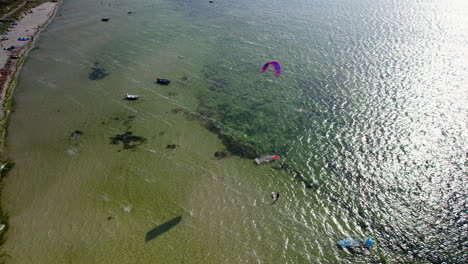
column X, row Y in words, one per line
column 275, row 64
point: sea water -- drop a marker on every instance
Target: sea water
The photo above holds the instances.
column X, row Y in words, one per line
column 368, row 116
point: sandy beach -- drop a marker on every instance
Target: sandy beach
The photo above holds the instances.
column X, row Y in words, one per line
column 13, row 49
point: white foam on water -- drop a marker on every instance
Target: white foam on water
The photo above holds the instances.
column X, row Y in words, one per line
column 127, row 209
column 72, row 151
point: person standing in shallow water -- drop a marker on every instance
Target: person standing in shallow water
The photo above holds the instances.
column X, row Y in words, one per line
column 275, row 196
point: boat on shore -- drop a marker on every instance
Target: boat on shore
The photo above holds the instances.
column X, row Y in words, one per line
column 266, row 159
column 132, row 97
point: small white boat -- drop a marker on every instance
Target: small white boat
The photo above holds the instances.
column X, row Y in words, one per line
column 132, row 96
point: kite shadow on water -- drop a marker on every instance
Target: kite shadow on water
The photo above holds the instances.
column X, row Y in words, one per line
column 163, row 228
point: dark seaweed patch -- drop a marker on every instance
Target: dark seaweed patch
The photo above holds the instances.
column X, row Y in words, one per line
column 97, row 72
column 128, row 140
column 172, row 93
column 190, row 116
column 297, row 175
column 171, row 146
column 241, row 147
column 211, row 126
column 127, row 122
column 176, row 110
column 184, row 78
column 220, row 154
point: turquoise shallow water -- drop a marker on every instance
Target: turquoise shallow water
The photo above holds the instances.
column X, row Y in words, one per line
column 368, row 116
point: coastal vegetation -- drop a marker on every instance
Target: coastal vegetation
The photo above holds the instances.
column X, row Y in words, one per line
column 4, row 169
column 20, row 6
column 6, row 6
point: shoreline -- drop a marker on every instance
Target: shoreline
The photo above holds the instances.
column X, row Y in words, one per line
column 11, row 63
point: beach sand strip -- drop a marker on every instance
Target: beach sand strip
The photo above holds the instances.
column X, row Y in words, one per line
column 26, row 27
